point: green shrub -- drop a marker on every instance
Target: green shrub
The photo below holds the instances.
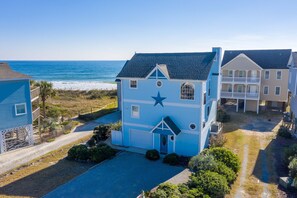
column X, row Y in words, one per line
column 166, row 190
column 101, row 132
column 293, row 168
column 217, row 140
column 208, row 162
column 213, row 184
column 284, row 132
column 91, row 142
column 101, row 152
column 290, row 153
column 222, row 116
column 191, row 193
column 226, row 156
column 152, row 154
column 172, row 159
column 116, row 126
column 79, row 152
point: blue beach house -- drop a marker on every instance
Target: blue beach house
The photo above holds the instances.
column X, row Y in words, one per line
column 169, row 101
column 293, row 88
column 16, row 116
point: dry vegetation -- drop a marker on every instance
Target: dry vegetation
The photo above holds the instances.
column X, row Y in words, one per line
column 43, row 174
column 260, row 149
column 71, row 103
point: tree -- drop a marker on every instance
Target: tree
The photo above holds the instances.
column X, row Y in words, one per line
column 46, row 90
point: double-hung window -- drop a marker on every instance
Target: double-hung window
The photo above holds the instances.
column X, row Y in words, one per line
column 133, row 84
column 266, row 75
column 135, row 111
column 279, row 75
column 277, row 91
column 266, row 90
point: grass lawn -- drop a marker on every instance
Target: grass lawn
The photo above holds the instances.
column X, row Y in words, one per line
column 43, row 174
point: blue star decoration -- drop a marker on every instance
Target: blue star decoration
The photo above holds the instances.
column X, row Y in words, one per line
column 158, row 99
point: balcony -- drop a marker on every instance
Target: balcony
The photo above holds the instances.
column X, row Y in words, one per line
column 36, row 114
column 250, row 80
column 35, row 93
column 240, row 95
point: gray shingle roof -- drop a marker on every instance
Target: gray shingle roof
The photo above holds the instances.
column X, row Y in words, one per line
column 7, row 73
column 191, row 66
column 267, row 59
column 172, row 125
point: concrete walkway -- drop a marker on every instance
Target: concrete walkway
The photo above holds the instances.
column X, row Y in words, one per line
column 16, row 158
column 124, row 176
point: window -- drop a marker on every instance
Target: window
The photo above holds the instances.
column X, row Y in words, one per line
column 241, row 73
column 229, row 88
column 135, row 111
column 208, row 110
column 239, row 88
column 187, row 91
column 159, row 83
column 266, row 90
column 20, row 109
column 279, row 75
column 266, row 75
column 230, row 73
column 277, row 91
column 192, row 126
column 209, row 89
column 133, row 84
column 204, row 98
column 203, row 124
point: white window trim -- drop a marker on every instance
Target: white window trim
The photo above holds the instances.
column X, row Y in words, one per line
column 133, row 87
column 132, row 116
column 265, row 74
column 280, row 91
column 267, row 90
column 191, row 128
column 16, row 112
column 281, row 76
column 180, row 95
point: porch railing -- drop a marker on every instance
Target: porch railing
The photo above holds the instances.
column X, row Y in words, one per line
column 35, row 93
column 36, row 113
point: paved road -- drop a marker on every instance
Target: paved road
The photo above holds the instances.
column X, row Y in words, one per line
column 13, row 159
column 126, row 175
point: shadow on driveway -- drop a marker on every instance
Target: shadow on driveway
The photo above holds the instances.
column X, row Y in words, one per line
column 126, row 175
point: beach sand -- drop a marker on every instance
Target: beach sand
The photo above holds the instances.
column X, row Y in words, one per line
column 83, row 85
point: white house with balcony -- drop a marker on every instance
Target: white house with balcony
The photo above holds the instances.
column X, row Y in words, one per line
column 255, row 79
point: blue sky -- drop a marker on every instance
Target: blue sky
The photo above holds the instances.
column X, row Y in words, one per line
column 116, row 29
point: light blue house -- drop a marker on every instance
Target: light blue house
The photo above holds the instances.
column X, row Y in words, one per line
column 293, row 88
column 15, row 109
column 169, row 101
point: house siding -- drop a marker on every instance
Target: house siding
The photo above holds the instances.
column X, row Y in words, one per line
column 14, row 92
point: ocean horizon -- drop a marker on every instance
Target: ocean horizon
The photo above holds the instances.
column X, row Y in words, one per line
column 74, row 75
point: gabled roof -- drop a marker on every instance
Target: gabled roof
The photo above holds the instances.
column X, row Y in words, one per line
column 166, row 127
column 6, row 73
column 172, row 125
column 190, row 66
column 267, row 59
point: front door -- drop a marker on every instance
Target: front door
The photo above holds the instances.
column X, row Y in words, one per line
column 163, row 143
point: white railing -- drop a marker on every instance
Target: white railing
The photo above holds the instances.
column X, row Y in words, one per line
column 241, row 95
column 35, row 93
column 36, row 114
column 241, row 79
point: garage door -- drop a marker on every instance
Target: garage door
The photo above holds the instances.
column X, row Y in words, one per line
column 141, row 139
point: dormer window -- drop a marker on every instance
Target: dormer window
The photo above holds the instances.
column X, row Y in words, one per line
column 133, row 84
column 187, row 91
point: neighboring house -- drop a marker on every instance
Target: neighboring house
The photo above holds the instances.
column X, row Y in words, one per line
column 256, row 79
column 169, row 101
column 16, row 116
column 293, row 88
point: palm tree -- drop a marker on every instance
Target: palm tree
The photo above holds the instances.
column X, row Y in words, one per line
column 46, row 90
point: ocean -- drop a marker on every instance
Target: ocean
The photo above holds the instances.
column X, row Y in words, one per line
column 82, row 75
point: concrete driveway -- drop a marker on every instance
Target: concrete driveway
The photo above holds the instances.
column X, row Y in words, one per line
column 126, row 175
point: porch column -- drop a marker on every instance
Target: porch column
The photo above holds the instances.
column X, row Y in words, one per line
column 1, row 142
column 237, row 106
column 244, row 105
column 30, row 134
column 257, row 106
